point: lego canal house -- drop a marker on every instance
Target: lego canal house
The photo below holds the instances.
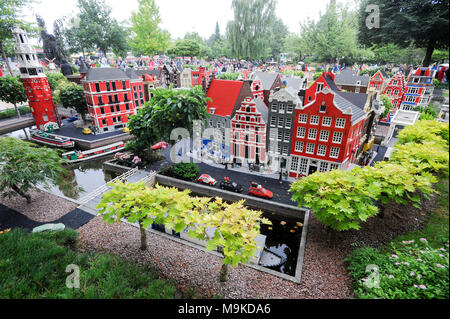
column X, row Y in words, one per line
column 112, row 95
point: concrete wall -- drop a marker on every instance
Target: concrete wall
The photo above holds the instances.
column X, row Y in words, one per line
column 250, row 201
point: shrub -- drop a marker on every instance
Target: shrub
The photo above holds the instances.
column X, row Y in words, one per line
column 407, row 270
column 423, row 131
column 12, row 112
column 228, row 76
column 186, row 171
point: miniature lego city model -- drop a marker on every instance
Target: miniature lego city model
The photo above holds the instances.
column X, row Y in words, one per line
column 379, row 80
column 349, row 81
column 259, row 191
column 395, row 90
column 206, row 179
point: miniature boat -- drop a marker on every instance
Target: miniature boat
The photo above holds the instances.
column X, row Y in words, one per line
column 270, row 259
column 51, row 139
column 77, row 156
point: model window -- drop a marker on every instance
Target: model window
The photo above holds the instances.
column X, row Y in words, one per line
column 302, row 118
column 274, row 107
column 294, row 164
column 334, row 152
column 312, row 133
column 326, row 121
column 32, row 71
column 299, row 146
column 321, row 150
column 310, row 148
column 97, row 87
column 340, row 123
column 288, row 123
column 124, row 86
column 314, row 119
column 323, row 108
column 301, row 132
column 108, row 86
column 324, row 135
column 113, row 85
column 104, row 122
column 337, row 137
column 323, row 167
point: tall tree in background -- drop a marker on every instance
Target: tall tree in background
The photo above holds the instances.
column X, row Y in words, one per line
column 9, row 12
column 249, row 31
column 424, row 22
column 333, row 37
column 294, row 47
column 147, row 37
column 93, row 28
column 277, row 33
column 53, row 47
column 217, row 43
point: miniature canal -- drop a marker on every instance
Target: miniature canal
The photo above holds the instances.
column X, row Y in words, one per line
column 282, row 237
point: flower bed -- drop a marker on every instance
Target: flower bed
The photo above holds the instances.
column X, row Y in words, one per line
column 408, row 270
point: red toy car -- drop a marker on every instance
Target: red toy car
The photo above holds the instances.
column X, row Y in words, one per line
column 257, row 190
column 206, row 179
column 159, row 145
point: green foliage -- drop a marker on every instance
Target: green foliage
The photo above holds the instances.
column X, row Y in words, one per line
column 24, row 166
column 148, row 38
column 93, row 28
column 426, row 112
column 168, row 109
column 55, row 79
column 407, row 270
column 185, row 47
column 439, row 85
column 228, row 76
column 340, row 199
column 249, row 33
column 429, row 157
column 236, row 226
column 72, row 95
column 12, row 112
column 387, row 105
column 406, row 22
column 185, row 171
column 333, row 36
column 423, row 131
column 316, row 75
column 294, row 73
column 12, row 90
column 34, row 266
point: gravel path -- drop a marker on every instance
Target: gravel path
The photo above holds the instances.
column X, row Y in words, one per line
column 44, row 207
column 323, row 273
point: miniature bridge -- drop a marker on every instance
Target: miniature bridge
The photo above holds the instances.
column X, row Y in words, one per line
column 90, row 201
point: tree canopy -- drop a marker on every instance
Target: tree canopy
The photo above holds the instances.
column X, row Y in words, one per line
column 423, row 22
column 147, row 38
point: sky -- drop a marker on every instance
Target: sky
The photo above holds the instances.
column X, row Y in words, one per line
column 181, row 16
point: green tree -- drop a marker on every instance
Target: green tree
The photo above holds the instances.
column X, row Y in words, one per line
column 12, row 91
column 278, row 31
column 333, row 36
column 184, row 48
column 248, row 33
column 24, row 165
column 72, row 95
column 294, row 47
column 387, row 105
column 147, row 38
column 168, row 109
column 422, row 22
column 93, row 28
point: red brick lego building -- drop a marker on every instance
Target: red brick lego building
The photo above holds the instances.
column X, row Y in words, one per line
column 379, row 81
column 395, row 90
column 112, row 96
column 327, row 133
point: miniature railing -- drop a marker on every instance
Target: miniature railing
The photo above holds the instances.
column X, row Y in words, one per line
column 105, row 187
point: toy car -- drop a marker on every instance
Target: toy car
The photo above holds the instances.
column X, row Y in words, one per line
column 257, row 190
column 206, row 179
column 159, row 145
column 72, row 118
column 126, row 130
column 86, row 131
column 231, row 186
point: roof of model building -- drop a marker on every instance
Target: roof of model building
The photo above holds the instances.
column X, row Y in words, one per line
column 101, row 74
column 422, row 71
column 343, row 103
column 295, row 83
column 224, row 94
column 349, row 77
column 262, row 108
column 132, row 74
column 331, row 82
column 267, row 79
column 155, row 72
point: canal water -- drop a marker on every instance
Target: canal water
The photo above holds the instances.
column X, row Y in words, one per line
column 282, row 237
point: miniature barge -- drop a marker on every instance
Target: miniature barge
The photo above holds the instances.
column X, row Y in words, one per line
column 78, row 156
column 51, row 139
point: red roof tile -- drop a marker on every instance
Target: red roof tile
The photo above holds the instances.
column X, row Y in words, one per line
column 224, row 94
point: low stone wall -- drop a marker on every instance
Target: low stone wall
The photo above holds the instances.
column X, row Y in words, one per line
column 113, row 167
column 250, row 201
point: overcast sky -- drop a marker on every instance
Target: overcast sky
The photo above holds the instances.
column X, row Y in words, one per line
column 181, row 16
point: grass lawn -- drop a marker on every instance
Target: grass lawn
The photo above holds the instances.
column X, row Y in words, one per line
column 34, row 266
column 413, row 266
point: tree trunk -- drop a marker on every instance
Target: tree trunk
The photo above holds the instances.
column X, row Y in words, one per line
column 5, row 58
column 430, row 48
column 22, row 193
column 381, row 214
column 17, row 110
column 143, row 237
column 224, row 273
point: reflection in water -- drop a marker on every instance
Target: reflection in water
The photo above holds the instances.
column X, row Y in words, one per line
column 283, row 238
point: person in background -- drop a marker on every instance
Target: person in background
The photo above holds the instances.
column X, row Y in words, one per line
column 66, row 69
